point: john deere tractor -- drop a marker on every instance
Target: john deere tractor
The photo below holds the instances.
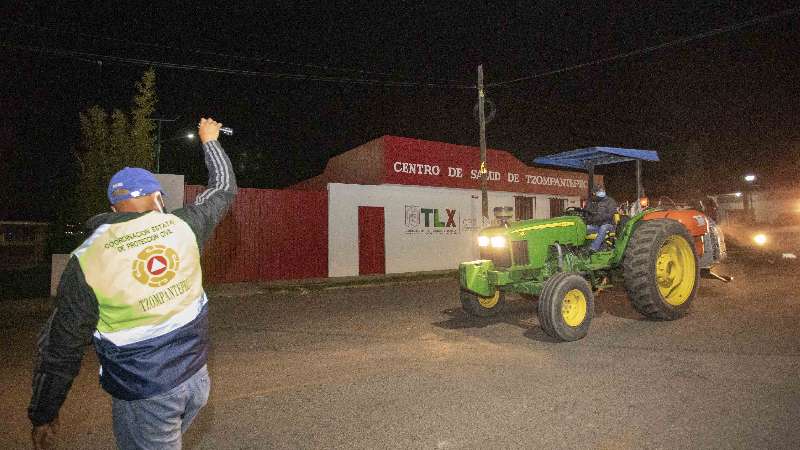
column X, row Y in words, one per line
column 654, row 253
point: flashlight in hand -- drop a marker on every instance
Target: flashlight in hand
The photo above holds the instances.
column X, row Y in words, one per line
column 227, row 131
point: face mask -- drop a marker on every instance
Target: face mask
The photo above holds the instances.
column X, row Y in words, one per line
column 159, row 201
column 601, row 194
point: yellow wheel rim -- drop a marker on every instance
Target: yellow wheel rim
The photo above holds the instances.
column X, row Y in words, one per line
column 675, row 271
column 489, row 302
column 573, row 308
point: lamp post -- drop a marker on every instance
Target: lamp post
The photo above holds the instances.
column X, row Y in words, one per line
column 750, row 180
column 190, row 136
column 157, row 145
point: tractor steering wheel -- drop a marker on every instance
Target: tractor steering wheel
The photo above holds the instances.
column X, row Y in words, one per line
column 575, row 211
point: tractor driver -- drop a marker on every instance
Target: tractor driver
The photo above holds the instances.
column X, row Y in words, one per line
column 600, row 218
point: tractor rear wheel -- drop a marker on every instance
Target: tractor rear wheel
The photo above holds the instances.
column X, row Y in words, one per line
column 660, row 269
column 483, row 306
column 566, row 307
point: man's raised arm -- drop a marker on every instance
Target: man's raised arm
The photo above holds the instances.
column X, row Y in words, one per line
column 212, row 204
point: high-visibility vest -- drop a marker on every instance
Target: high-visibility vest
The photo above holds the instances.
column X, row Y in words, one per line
column 146, row 275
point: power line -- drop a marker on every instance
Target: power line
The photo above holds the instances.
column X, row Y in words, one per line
column 222, row 70
column 642, row 51
column 210, row 53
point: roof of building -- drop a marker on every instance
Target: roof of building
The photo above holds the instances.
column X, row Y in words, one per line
column 408, row 161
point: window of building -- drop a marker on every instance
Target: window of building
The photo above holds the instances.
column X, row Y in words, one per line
column 557, row 206
column 524, row 207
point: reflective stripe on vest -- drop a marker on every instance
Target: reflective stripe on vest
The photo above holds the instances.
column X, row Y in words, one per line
column 146, row 275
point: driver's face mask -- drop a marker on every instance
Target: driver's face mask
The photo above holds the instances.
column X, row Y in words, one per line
column 600, row 194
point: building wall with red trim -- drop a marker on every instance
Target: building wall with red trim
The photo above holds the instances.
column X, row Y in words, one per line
column 458, row 166
column 268, row 235
column 284, row 234
column 417, row 162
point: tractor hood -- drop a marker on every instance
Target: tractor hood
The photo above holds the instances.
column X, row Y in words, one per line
column 569, row 230
column 528, row 242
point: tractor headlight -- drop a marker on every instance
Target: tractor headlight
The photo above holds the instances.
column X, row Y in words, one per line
column 483, row 241
column 498, row 241
column 760, row 239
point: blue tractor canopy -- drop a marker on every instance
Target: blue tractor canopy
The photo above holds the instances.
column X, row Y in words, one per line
column 588, row 158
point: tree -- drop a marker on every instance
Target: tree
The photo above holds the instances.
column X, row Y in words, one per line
column 142, row 127
column 111, row 142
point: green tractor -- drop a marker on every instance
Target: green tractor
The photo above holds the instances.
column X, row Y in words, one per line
column 654, row 253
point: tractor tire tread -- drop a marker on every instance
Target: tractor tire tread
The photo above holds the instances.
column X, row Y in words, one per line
column 639, row 269
column 544, row 302
column 547, row 303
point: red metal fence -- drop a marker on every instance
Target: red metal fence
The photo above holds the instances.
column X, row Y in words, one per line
column 268, row 235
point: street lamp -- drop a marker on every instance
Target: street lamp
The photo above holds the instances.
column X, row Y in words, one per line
column 749, row 179
column 190, row 136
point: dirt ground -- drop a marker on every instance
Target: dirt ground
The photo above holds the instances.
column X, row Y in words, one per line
column 399, row 365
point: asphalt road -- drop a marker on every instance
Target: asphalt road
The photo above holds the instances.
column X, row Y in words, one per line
column 401, row 366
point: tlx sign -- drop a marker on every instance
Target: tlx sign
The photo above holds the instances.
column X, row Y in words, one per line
column 451, row 213
column 430, row 217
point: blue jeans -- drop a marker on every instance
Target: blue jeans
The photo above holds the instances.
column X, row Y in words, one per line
column 158, row 422
column 602, row 231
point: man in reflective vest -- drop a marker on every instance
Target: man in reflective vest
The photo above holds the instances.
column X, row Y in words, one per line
column 135, row 289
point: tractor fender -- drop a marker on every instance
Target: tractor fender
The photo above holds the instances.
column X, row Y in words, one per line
column 473, row 276
column 695, row 222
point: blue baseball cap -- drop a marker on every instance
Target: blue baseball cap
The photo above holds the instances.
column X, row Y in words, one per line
column 131, row 182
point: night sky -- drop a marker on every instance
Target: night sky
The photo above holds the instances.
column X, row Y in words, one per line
column 303, row 81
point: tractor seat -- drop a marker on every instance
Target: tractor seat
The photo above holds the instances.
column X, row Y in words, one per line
column 612, row 235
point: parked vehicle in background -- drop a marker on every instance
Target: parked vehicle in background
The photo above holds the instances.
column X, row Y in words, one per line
column 24, row 259
column 23, row 245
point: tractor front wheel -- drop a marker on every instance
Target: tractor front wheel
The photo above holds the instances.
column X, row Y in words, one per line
column 660, row 269
column 483, row 306
column 566, row 307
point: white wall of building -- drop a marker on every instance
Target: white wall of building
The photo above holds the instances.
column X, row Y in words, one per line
column 173, row 190
column 410, row 246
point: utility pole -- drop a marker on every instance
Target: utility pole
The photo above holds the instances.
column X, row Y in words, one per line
column 158, row 141
column 639, row 188
column 483, row 170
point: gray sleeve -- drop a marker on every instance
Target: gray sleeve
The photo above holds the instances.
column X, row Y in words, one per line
column 211, row 205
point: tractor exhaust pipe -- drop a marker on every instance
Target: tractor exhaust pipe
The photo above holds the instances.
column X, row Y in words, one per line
column 560, row 256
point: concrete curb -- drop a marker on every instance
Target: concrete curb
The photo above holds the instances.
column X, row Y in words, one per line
column 317, row 284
